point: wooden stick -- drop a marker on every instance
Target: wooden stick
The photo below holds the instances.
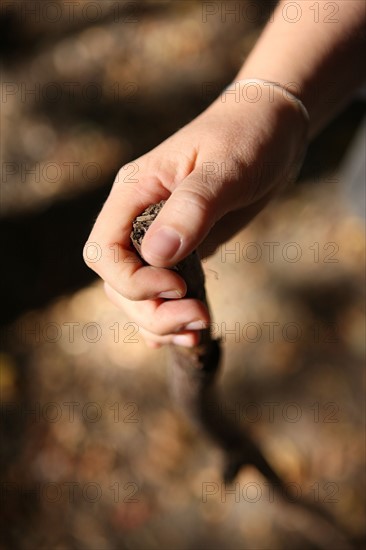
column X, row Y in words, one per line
column 194, row 370
column 193, row 376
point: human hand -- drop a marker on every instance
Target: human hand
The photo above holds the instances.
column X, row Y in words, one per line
column 215, row 174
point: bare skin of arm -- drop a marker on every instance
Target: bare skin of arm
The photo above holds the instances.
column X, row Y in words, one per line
column 322, row 60
column 318, row 47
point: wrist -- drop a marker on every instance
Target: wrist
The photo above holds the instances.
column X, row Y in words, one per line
column 249, row 91
column 264, row 126
column 272, row 88
column 273, row 103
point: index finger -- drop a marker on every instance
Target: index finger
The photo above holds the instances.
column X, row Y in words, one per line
column 117, row 262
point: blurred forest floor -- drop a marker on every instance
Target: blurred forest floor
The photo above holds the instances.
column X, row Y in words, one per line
column 95, row 455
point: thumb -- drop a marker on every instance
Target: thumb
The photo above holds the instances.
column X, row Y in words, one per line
column 184, row 221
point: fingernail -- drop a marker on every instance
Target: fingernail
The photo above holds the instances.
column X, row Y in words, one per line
column 170, row 294
column 196, row 325
column 164, row 243
column 183, row 340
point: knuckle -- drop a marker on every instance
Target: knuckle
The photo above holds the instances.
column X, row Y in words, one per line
column 127, row 174
column 198, row 199
column 130, row 294
column 155, row 327
column 92, row 253
column 130, row 291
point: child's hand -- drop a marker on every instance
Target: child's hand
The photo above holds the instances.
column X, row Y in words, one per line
column 229, row 160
